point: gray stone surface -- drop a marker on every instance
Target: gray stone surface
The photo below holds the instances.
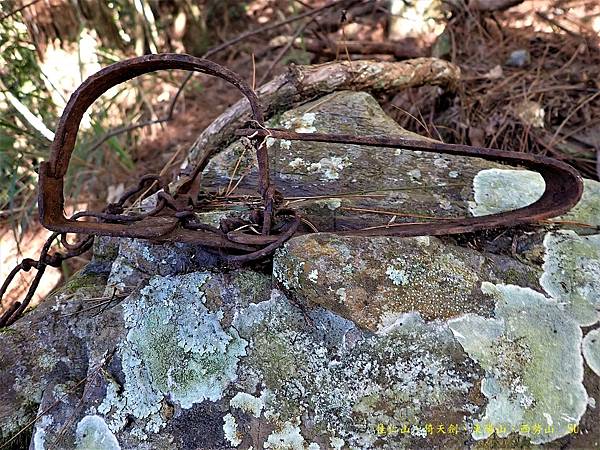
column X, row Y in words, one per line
column 455, row 342
column 329, row 182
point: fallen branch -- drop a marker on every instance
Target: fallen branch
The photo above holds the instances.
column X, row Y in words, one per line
column 303, row 83
column 402, row 50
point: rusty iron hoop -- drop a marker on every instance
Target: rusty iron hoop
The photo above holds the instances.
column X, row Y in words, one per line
column 51, row 195
column 563, row 188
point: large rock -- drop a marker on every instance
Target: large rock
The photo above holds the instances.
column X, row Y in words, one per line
column 453, row 342
column 339, row 187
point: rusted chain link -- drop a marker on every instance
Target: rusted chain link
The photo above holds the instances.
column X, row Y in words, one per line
column 173, row 219
column 55, row 260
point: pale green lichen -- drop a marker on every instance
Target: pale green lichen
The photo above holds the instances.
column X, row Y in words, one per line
column 499, row 190
column 230, row 430
column 93, row 434
column 115, row 403
column 591, row 350
column 286, row 437
column 39, row 437
column 212, row 218
column 296, row 163
column 588, row 208
column 336, row 443
column 415, row 174
column 530, row 352
column 440, row 162
column 572, row 273
column 398, row 276
column 120, row 273
column 247, row 403
column 348, row 385
column 394, row 321
column 174, row 348
column 329, row 167
column 341, row 293
column 306, row 123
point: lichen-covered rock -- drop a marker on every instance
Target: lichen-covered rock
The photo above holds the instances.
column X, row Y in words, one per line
column 530, row 351
column 341, row 186
column 319, row 375
column 371, row 281
column 174, row 348
column 342, row 343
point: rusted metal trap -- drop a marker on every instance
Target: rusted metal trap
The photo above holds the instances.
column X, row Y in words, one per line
column 173, row 219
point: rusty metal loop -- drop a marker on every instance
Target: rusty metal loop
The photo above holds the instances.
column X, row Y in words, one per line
column 117, row 73
column 51, row 193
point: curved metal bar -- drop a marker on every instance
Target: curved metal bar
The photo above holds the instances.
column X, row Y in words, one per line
column 564, row 185
column 117, row 73
column 51, row 193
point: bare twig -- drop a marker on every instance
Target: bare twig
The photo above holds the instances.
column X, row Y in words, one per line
column 395, row 214
column 253, row 72
column 125, row 129
column 401, row 50
column 228, row 191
